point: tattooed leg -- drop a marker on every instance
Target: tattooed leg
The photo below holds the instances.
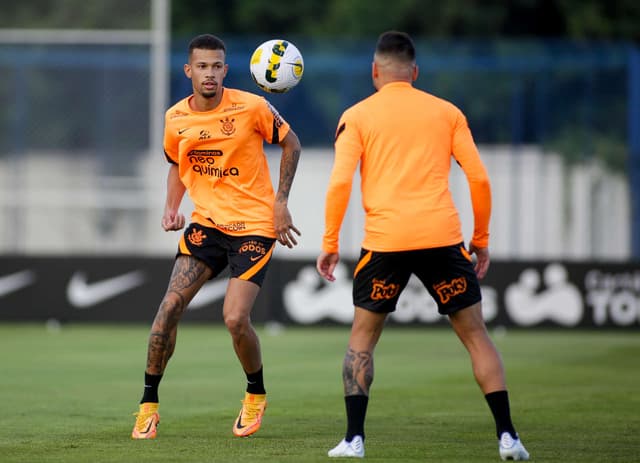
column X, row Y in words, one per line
column 189, row 274
column 357, row 372
column 357, row 369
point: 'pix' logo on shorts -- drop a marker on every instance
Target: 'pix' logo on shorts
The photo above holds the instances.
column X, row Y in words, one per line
column 382, row 291
column 446, row 290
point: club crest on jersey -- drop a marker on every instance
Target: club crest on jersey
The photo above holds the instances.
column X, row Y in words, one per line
column 227, row 126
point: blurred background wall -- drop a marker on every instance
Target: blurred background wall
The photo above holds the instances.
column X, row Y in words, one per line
column 551, row 90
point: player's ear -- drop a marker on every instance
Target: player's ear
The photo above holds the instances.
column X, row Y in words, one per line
column 416, row 71
column 187, row 70
column 374, row 70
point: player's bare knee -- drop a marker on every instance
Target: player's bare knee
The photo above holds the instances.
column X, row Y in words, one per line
column 237, row 326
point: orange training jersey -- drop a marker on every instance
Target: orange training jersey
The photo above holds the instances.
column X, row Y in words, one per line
column 222, row 162
column 404, row 139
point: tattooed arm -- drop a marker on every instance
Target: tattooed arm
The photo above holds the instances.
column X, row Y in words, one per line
column 282, row 221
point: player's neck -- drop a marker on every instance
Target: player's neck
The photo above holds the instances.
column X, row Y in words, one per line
column 379, row 83
column 200, row 103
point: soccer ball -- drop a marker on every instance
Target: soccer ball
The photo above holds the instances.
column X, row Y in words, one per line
column 276, row 66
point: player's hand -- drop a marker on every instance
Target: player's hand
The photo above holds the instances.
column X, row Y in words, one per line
column 482, row 260
column 326, row 264
column 284, row 225
column 172, row 221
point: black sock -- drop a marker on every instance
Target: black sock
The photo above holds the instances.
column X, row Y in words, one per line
column 356, row 410
column 151, row 383
column 499, row 404
column 255, row 382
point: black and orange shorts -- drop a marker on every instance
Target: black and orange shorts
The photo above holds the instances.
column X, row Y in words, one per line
column 247, row 256
column 446, row 272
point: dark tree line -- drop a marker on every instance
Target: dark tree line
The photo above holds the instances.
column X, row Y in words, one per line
column 574, row 19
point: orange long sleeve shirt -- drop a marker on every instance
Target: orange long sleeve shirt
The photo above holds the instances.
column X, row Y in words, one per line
column 404, row 140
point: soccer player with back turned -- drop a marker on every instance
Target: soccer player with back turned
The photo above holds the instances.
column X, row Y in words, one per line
column 404, row 139
column 213, row 141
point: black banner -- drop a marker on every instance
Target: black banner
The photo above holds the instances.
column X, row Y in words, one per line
column 129, row 289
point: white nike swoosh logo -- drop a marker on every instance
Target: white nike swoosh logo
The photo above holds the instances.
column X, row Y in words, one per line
column 211, row 291
column 12, row 283
column 83, row 295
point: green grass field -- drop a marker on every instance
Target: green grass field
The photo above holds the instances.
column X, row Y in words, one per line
column 69, row 395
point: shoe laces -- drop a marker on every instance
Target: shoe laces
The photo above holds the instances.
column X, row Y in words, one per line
column 506, row 440
column 356, row 444
column 251, row 410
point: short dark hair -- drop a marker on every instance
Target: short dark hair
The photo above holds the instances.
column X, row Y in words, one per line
column 396, row 44
column 206, row 42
